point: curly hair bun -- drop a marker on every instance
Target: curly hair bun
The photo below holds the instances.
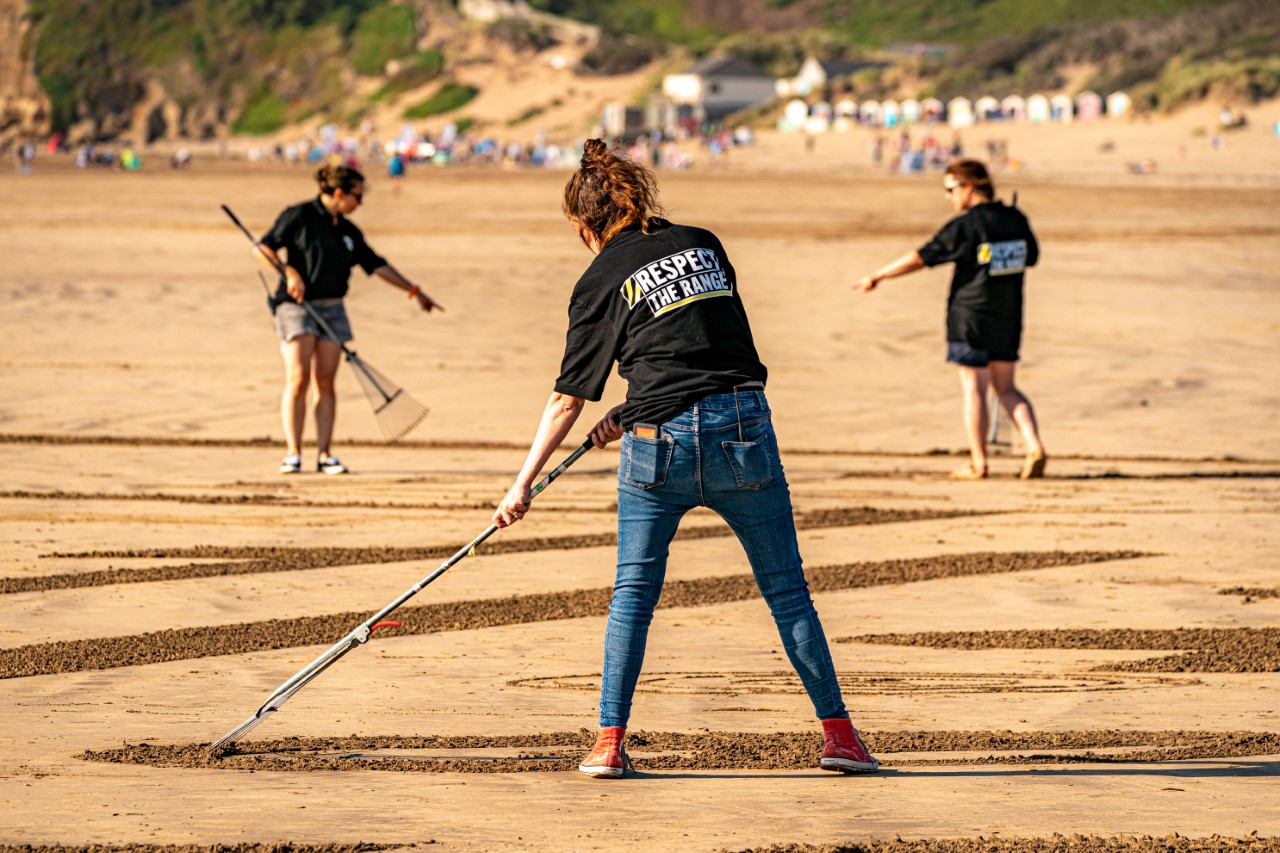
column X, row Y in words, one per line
column 594, row 151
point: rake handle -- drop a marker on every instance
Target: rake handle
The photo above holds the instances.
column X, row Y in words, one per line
column 361, row 634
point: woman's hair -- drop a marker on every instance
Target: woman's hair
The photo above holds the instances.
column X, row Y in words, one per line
column 332, row 178
column 973, row 173
column 609, row 193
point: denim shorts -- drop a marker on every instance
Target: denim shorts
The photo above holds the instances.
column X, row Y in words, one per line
column 961, row 353
column 292, row 320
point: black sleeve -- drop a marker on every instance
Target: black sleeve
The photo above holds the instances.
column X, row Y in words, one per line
column 282, row 234
column 367, row 258
column 592, row 342
column 947, row 245
column 1033, row 246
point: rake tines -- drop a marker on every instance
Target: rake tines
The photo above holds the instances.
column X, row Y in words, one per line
column 396, row 412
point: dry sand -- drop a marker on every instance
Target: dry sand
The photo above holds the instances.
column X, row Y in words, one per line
column 1093, row 655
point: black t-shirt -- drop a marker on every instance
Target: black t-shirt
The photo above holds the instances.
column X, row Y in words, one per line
column 991, row 245
column 665, row 306
column 321, row 250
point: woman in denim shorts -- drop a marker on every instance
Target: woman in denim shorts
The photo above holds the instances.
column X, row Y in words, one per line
column 321, row 246
column 661, row 300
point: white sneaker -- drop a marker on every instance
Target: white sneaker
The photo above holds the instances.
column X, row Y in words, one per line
column 330, row 465
column 291, row 465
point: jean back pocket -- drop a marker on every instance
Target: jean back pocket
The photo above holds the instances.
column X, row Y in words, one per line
column 750, row 461
column 647, row 461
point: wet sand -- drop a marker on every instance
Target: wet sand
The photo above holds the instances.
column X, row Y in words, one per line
column 1082, row 663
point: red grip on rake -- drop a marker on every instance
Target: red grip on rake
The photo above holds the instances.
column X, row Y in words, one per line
column 384, row 625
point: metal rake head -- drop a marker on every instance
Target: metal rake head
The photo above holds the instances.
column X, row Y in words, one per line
column 399, row 415
column 395, row 411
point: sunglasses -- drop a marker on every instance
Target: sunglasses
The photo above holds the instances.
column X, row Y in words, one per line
column 948, row 189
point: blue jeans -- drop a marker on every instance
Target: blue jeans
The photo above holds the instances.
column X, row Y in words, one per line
column 722, row 456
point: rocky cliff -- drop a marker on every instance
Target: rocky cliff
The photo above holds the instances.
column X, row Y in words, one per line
column 24, row 109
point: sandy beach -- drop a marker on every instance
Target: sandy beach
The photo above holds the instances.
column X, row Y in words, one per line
column 1096, row 653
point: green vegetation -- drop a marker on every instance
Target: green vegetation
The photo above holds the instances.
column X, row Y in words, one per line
column 420, row 70
column 270, row 62
column 382, row 34
column 530, row 113
column 664, row 20
column 1181, row 82
column 265, row 113
column 95, row 54
column 451, row 96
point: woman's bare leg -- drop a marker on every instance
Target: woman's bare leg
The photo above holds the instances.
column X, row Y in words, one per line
column 974, row 382
column 297, row 378
column 328, row 356
column 1017, row 405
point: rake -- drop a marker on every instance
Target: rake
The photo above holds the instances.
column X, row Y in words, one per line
column 395, row 411
column 363, row 632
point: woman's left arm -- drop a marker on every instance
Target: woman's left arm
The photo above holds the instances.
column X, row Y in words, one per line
column 386, row 272
column 558, row 418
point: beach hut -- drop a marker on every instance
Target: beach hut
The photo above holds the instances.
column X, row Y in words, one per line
column 1118, row 104
column 820, row 113
column 931, row 109
column 1038, row 108
column 910, row 111
column 890, row 114
column 960, row 112
column 869, row 112
column 1062, row 108
column 1014, row 107
column 794, row 115
column 1088, row 106
column 846, row 109
column 986, row 108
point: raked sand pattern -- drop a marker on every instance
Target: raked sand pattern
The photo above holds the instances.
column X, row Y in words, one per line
column 1085, row 664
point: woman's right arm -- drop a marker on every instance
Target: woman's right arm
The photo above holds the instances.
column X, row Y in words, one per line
column 293, row 280
column 559, row 416
column 908, row 263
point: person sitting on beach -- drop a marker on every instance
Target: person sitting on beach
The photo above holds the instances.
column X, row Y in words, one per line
column 662, row 301
column 322, row 245
column 991, row 245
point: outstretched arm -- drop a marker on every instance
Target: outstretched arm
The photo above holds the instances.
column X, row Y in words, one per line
column 908, row 263
column 558, row 418
column 386, row 272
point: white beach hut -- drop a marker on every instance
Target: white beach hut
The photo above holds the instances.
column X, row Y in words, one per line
column 869, row 112
column 890, row 113
column 960, row 112
column 846, row 108
column 1014, row 108
column 794, row 115
column 1062, row 108
column 910, row 111
column 931, row 109
column 1119, row 104
column 986, row 108
column 1038, row 108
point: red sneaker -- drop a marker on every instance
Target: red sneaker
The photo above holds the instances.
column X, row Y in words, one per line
column 608, row 760
column 844, row 751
